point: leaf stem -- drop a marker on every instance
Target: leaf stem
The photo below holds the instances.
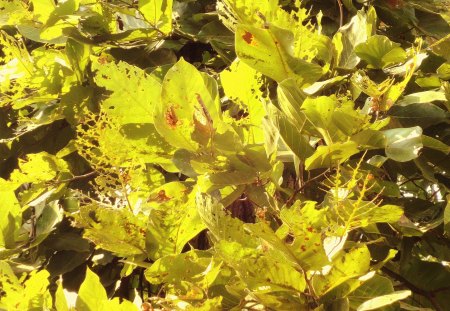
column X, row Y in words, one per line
column 341, row 13
column 76, row 177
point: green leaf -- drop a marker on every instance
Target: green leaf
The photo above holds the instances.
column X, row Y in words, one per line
column 379, row 52
column 10, row 219
column 350, row 264
column 242, row 84
column 134, row 94
column 374, row 287
column 158, row 13
column 328, row 156
column 447, row 216
column 221, row 226
column 384, row 300
column 42, row 10
column 60, row 299
column 292, row 136
column 116, row 230
column 184, row 271
column 173, row 221
column 37, row 168
column 91, row 295
column 78, row 55
column 403, row 144
column 444, row 71
column 421, row 98
column 420, row 114
column 262, row 272
column 304, row 223
column 188, row 110
column 360, row 27
column 270, row 51
column 356, row 214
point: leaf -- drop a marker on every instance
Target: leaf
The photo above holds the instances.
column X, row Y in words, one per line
column 379, row 52
column 292, row 136
column 133, row 95
column 173, row 221
column 116, row 230
column 328, row 156
column 444, row 71
column 188, row 111
column 304, row 223
column 221, row 226
column 158, row 13
column 375, row 286
column 10, row 219
column 184, row 271
column 78, row 55
column 420, row 114
column 350, row 264
column 42, row 10
column 37, row 168
column 421, row 98
column 447, row 216
column 356, row 214
column 270, row 51
column 50, row 216
column 384, row 300
column 403, row 144
column 65, row 261
column 91, row 295
column 60, row 299
column 262, row 273
column 242, row 84
column 107, row 145
column 360, row 27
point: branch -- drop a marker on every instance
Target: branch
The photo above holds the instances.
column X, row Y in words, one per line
column 76, row 177
column 341, row 13
column 297, row 191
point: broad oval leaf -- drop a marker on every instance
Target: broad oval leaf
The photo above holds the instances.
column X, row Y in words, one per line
column 188, row 110
column 270, row 51
column 379, row 52
column 384, row 300
column 403, row 144
column 92, row 294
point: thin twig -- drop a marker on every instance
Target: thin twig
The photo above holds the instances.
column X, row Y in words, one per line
column 289, row 201
column 76, row 177
column 341, row 13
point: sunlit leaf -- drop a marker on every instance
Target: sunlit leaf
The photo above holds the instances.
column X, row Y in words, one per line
column 385, row 300
column 134, row 93
column 403, row 144
column 379, row 52
column 270, row 51
column 91, row 295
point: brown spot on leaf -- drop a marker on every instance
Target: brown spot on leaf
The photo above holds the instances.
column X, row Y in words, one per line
column 310, row 229
column 160, row 197
column 103, row 59
column 303, row 248
column 396, row 4
column 171, row 118
column 248, row 37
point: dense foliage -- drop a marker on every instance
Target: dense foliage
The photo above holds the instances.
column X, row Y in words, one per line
column 224, row 155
